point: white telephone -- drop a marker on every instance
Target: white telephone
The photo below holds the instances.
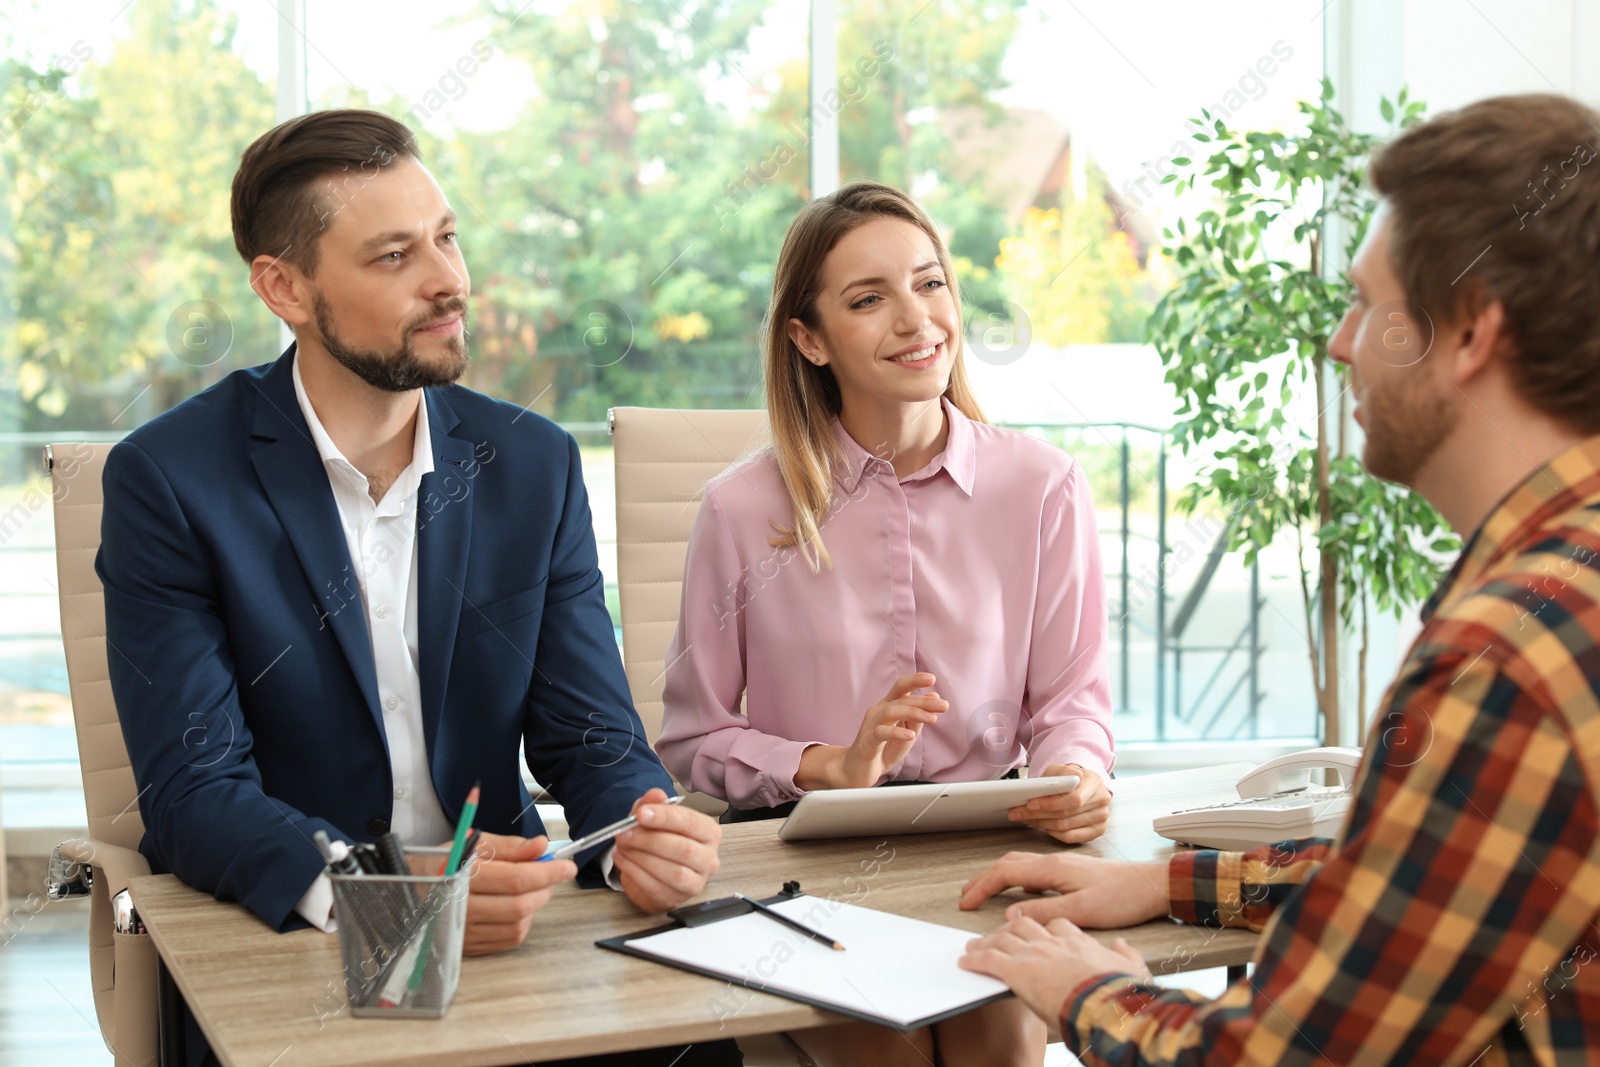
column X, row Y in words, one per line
column 1276, row 802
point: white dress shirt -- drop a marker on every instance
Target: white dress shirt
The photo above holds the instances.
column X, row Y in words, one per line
column 382, row 539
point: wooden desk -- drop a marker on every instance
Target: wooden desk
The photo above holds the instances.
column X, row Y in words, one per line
column 275, row 1000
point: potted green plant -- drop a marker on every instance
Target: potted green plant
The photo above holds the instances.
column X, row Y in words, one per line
column 1244, row 337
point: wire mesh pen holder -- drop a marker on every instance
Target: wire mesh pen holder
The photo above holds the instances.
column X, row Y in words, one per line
column 400, row 937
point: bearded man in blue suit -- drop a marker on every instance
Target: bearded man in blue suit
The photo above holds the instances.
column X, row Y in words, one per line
column 341, row 589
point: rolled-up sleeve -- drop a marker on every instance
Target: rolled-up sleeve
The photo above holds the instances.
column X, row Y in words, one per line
column 1452, row 924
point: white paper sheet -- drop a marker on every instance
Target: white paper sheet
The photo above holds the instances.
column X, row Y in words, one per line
column 895, row 968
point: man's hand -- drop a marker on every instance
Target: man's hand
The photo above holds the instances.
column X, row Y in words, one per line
column 1097, row 893
column 1071, row 817
column 888, row 730
column 669, row 856
column 1042, row 965
column 506, row 887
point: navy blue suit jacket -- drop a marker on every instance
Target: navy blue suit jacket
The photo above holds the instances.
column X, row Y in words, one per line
column 239, row 654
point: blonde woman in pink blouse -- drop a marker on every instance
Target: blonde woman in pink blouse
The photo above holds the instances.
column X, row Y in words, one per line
column 897, row 591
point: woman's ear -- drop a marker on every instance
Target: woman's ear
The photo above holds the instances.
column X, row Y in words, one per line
column 807, row 341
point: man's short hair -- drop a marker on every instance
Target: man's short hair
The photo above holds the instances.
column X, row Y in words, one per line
column 296, row 177
column 1500, row 200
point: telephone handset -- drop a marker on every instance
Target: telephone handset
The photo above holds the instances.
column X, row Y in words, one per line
column 1291, row 773
column 1276, row 802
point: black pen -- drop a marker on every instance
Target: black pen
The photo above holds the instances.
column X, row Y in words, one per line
column 392, row 854
column 367, row 856
column 473, row 838
column 785, row 920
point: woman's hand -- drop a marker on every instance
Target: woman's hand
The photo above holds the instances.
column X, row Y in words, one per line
column 1069, row 817
column 888, row 730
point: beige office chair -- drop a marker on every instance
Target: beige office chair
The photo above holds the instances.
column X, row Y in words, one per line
column 122, row 967
column 664, row 457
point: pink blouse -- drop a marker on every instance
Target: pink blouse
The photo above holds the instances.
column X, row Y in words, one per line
column 983, row 568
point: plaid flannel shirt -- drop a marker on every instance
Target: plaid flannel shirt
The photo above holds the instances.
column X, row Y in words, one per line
column 1456, row 917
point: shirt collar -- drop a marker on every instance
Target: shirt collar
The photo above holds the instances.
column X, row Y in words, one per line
column 410, row 479
column 1570, row 480
column 959, row 458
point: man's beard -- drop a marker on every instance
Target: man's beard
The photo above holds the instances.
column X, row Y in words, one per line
column 401, row 370
column 1404, row 427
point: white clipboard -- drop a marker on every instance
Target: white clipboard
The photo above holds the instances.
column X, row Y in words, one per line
column 894, row 971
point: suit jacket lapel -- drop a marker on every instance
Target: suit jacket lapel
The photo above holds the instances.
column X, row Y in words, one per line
column 444, row 534
column 296, row 485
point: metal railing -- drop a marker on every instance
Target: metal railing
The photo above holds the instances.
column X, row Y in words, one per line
column 1235, row 670
column 1169, row 638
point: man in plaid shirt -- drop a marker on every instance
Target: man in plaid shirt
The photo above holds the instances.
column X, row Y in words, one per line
column 1454, row 919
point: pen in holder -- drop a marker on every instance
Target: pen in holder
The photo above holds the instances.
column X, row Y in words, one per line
column 400, row 936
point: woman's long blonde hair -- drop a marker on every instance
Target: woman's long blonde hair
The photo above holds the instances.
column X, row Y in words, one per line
column 802, row 398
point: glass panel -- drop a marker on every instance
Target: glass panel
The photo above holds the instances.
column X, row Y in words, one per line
column 120, row 290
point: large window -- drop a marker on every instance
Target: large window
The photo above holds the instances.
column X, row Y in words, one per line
column 624, row 173
column 120, row 292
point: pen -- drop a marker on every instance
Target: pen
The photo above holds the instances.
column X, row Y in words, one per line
column 367, row 857
column 772, row 913
column 600, row 836
column 392, row 854
column 472, row 846
column 337, row 854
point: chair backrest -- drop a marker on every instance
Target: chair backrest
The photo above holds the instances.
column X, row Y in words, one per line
column 664, row 458
column 109, row 793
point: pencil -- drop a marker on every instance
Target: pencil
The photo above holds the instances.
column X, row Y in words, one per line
column 469, row 811
column 773, row 913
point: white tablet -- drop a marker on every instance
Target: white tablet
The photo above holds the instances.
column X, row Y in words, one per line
column 915, row 809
